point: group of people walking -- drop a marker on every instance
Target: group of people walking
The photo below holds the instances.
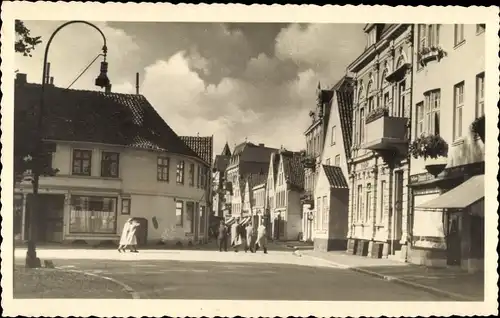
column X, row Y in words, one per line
column 128, row 237
column 250, row 238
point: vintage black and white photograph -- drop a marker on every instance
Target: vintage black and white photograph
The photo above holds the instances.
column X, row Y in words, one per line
column 294, row 161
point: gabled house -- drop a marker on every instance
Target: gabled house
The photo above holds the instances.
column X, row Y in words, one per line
column 108, row 148
column 247, row 158
column 218, row 171
column 315, row 137
column 251, row 198
column 288, row 185
column 331, row 189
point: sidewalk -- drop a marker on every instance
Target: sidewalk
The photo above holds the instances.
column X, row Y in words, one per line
column 453, row 283
column 55, row 283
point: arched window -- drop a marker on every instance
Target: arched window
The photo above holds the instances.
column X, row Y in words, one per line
column 369, row 96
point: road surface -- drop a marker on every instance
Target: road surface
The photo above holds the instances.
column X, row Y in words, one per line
column 234, row 276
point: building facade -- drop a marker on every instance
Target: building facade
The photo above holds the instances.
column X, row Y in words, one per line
column 259, row 204
column 315, row 136
column 447, row 225
column 379, row 154
column 331, row 189
column 218, row 173
column 247, row 158
column 108, row 148
column 286, row 175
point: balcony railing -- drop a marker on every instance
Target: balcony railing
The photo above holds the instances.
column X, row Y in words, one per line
column 387, row 133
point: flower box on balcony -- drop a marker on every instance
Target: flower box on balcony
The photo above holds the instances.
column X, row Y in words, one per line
column 429, row 146
column 376, row 114
column 431, row 53
column 308, row 161
column 478, row 127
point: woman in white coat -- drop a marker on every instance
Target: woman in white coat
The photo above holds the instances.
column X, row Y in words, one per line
column 128, row 237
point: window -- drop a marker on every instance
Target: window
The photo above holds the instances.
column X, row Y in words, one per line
column 334, row 136
column 125, row 206
column 432, row 115
column 428, row 35
column 92, row 214
column 401, row 100
column 202, row 219
column 162, row 169
column 191, row 175
column 386, row 99
column 82, row 160
column 180, row 172
column 480, row 28
column 325, row 214
column 190, row 216
column 422, row 36
column 359, row 203
column 109, row 164
column 368, row 202
column 480, row 95
column 203, row 178
column 179, row 213
column 337, row 160
column 198, row 177
column 318, row 213
column 458, row 106
column 327, row 162
column 459, row 34
column 361, row 125
column 420, row 119
column 380, row 218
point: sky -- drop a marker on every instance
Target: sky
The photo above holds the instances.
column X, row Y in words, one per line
column 237, row 81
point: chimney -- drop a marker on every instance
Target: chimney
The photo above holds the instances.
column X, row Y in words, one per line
column 107, row 90
column 21, row 78
column 262, row 145
column 137, row 83
column 51, row 80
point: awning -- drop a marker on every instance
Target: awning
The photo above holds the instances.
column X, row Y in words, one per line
column 459, row 197
column 230, row 221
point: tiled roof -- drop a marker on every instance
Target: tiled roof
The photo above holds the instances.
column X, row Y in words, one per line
column 250, row 152
column 293, row 169
column 203, row 146
column 344, row 92
column 92, row 116
column 335, row 177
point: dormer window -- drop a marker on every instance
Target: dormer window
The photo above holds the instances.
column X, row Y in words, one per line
column 372, row 36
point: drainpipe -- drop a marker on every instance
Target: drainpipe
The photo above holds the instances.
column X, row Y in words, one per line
column 409, row 199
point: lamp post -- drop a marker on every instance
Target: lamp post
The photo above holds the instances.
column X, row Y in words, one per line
column 102, row 81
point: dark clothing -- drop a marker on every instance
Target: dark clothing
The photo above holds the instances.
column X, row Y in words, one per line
column 222, row 232
column 222, row 242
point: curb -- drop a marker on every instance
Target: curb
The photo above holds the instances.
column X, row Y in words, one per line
column 429, row 289
column 127, row 288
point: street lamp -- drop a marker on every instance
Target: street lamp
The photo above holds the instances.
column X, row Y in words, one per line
column 102, row 81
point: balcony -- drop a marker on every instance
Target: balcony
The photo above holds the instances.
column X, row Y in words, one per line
column 309, row 161
column 387, row 133
column 307, row 198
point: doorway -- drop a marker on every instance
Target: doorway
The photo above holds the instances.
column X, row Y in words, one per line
column 453, row 241
column 398, row 203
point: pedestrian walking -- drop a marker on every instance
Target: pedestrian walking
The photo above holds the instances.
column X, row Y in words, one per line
column 262, row 237
column 235, row 235
column 251, row 238
column 222, row 236
column 128, row 237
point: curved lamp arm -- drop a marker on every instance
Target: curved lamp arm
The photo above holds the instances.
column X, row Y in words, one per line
column 104, row 48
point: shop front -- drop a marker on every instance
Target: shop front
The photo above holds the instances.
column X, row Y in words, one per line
column 448, row 224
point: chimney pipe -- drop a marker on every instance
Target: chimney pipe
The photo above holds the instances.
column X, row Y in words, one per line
column 47, row 74
column 107, row 89
column 137, row 83
column 52, row 80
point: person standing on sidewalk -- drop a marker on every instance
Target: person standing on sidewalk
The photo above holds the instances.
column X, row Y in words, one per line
column 262, row 237
column 128, row 237
column 222, row 236
column 251, row 238
column 235, row 235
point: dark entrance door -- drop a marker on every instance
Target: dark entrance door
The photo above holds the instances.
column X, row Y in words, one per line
column 453, row 241
column 49, row 217
column 142, row 231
